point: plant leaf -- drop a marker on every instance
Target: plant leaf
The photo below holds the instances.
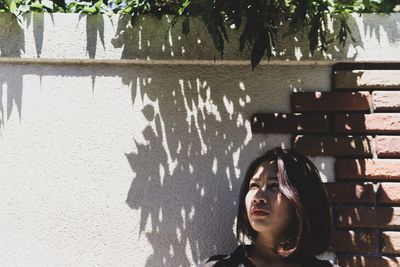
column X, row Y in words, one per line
column 13, row 6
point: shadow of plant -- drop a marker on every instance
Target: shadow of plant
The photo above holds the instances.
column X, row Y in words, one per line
column 185, row 179
column 12, row 44
column 94, row 29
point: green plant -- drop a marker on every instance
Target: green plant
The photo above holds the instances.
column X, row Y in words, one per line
column 260, row 21
column 19, row 7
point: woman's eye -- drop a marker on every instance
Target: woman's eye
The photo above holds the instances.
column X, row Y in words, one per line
column 274, row 186
column 253, row 185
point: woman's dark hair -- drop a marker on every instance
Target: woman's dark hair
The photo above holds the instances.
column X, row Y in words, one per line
column 300, row 183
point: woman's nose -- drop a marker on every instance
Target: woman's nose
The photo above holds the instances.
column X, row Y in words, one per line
column 260, row 196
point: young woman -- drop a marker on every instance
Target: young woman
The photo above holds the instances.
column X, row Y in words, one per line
column 283, row 211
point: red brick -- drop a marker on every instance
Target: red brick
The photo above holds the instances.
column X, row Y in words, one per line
column 350, row 193
column 386, row 101
column 368, row 217
column 365, row 241
column 367, row 123
column 388, row 146
column 333, row 146
column 365, row 261
column 289, row 123
column 331, row 101
column 390, row 242
column 369, row 169
column 388, row 193
column 367, row 79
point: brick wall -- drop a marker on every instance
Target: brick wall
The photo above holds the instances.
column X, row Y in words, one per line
column 358, row 123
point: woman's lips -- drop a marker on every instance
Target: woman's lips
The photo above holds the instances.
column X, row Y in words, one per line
column 259, row 212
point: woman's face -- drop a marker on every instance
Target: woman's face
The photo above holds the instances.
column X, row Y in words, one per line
column 268, row 210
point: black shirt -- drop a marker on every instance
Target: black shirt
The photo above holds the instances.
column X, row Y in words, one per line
column 239, row 258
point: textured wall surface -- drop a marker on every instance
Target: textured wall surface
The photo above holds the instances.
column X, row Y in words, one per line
column 131, row 164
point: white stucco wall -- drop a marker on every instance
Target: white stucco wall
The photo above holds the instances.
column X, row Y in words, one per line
column 111, row 163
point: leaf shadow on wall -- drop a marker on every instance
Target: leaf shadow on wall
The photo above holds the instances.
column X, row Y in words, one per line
column 389, row 28
column 94, row 28
column 187, row 166
column 350, row 219
column 12, row 44
column 38, row 29
column 147, row 37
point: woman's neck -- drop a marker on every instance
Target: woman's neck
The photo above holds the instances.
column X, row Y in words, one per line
column 266, row 244
column 265, row 253
column 265, row 249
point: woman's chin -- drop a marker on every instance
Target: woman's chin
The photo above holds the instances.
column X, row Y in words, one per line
column 260, row 225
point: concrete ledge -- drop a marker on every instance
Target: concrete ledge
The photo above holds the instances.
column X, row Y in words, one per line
column 77, row 61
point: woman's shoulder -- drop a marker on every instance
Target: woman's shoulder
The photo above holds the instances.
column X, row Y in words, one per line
column 319, row 263
column 215, row 261
column 237, row 258
column 326, row 259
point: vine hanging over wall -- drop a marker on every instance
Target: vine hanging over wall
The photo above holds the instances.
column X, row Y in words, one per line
column 259, row 21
